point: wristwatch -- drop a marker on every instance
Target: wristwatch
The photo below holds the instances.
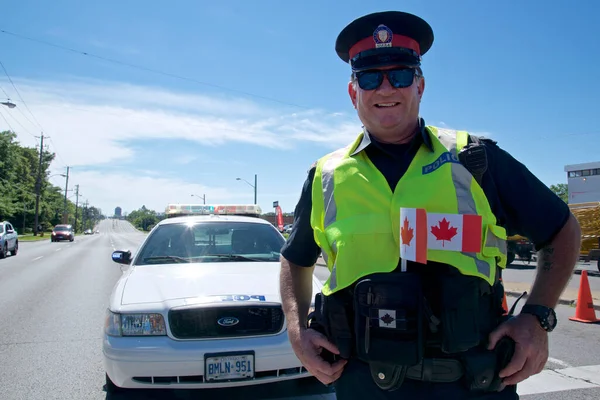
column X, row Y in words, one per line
column 545, row 315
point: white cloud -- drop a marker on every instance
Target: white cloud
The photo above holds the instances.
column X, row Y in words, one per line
column 93, row 125
column 82, row 115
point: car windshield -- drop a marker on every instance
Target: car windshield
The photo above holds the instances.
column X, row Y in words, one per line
column 61, row 228
column 211, row 242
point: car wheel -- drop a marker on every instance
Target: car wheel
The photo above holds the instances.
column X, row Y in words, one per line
column 16, row 249
column 110, row 386
column 4, row 251
column 510, row 258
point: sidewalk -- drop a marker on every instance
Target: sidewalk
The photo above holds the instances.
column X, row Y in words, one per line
column 515, row 289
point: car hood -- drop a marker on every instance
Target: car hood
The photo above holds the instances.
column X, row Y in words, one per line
column 188, row 284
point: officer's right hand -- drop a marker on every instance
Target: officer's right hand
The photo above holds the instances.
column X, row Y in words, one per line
column 308, row 345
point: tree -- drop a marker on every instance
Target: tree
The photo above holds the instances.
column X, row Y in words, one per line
column 144, row 218
column 562, row 191
column 18, row 174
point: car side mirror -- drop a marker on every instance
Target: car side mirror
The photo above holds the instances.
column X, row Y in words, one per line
column 10, row 231
column 122, row 256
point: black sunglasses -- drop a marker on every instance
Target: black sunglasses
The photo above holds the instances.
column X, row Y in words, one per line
column 398, row 78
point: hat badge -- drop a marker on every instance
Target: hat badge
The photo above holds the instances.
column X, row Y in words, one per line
column 383, row 36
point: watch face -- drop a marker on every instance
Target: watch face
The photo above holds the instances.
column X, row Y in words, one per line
column 552, row 319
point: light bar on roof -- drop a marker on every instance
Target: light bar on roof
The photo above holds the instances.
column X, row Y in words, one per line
column 208, row 209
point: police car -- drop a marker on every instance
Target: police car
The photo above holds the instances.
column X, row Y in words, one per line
column 199, row 305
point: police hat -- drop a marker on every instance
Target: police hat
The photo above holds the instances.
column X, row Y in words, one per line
column 384, row 38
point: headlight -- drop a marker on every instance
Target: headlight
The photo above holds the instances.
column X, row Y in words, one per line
column 134, row 324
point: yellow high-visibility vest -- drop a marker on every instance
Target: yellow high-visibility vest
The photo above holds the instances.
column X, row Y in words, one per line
column 356, row 216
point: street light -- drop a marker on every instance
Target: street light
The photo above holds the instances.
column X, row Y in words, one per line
column 8, row 104
column 254, row 186
column 203, row 197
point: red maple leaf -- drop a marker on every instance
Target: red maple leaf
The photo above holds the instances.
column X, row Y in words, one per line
column 444, row 231
column 406, row 233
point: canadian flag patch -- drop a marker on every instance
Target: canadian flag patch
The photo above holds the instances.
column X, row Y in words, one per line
column 455, row 232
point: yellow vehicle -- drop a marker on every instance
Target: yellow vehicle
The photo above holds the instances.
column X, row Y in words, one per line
column 588, row 215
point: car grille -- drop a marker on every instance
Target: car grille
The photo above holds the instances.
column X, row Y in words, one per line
column 200, row 323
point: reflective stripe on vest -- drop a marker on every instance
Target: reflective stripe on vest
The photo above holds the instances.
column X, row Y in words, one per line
column 462, row 180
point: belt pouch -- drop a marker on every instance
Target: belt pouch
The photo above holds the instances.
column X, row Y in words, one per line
column 460, row 296
column 480, row 369
column 318, row 319
column 388, row 319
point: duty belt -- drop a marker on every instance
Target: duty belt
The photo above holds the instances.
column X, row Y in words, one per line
column 390, row 377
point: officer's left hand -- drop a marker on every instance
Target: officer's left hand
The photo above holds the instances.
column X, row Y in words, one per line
column 531, row 349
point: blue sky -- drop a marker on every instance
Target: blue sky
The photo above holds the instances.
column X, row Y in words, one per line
column 268, row 94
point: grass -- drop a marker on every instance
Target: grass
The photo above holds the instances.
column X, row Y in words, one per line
column 47, row 235
column 31, row 238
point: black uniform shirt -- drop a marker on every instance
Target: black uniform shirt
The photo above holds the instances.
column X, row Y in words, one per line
column 521, row 203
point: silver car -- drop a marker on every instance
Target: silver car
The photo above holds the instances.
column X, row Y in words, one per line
column 9, row 239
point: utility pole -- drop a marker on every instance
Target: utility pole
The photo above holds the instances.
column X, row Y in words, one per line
column 38, row 188
column 65, row 213
column 24, row 214
column 76, row 205
column 255, row 181
column 84, row 214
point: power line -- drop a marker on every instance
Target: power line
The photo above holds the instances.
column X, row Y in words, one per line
column 7, row 96
column 19, row 94
column 7, row 123
column 27, row 107
column 56, row 152
column 156, row 71
column 19, row 122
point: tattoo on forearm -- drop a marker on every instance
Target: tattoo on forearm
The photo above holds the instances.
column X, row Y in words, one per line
column 547, row 258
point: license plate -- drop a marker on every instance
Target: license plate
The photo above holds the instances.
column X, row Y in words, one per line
column 228, row 366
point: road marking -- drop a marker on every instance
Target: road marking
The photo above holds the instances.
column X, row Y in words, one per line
column 37, row 258
column 559, row 362
column 59, row 249
column 548, row 381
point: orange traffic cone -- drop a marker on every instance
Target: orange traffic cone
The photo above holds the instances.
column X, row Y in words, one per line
column 585, row 305
column 504, row 303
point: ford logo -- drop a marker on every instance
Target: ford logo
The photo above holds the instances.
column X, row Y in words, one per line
column 228, row 321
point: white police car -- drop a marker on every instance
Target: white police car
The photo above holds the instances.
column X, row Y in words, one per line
column 199, row 306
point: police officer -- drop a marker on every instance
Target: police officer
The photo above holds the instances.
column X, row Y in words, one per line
column 386, row 328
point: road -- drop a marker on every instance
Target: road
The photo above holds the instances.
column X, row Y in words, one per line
column 520, row 271
column 52, row 302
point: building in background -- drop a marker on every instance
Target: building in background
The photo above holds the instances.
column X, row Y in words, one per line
column 583, row 182
column 118, row 212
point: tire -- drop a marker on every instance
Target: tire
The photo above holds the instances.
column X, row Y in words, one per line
column 510, row 258
column 16, row 249
column 4, row 251
column 111, row 387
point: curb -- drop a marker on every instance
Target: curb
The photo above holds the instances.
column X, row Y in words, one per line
column 589, row 271
column 566, row 302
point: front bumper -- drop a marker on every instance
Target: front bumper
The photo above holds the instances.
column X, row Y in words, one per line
column 161, row 362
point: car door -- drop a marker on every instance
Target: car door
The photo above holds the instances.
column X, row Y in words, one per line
column 12, row 236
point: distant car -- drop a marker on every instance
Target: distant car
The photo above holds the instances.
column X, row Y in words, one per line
column 9, row 239
column 88, row 232
column 199, row 307
column 62, row 232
